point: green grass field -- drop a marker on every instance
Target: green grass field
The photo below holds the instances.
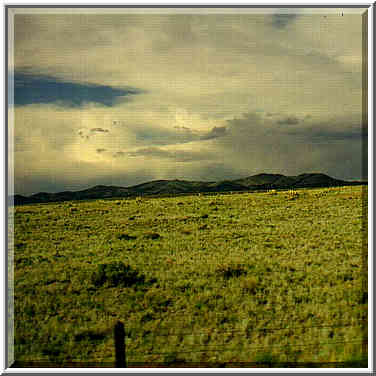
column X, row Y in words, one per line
column 212, row 279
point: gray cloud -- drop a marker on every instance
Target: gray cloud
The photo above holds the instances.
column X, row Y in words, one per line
column 184, row 128
column 290, row 120
column 34, row 183
column 336, row 147
column 151, row 152
column 320, row 134
column 214, row 133
column 198, row 73
column 156, row 135
column 99, row 130
column 177, row 30
column 176, row 155
column 281, row 20
column 212, row 171
column 119, row 154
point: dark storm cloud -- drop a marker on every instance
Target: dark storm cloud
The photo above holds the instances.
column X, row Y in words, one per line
column 214, row 133
column 280, row 21
column 30, row 88
column 326, row 135
column 310, row 131
column 215, row 171
column 336, row 147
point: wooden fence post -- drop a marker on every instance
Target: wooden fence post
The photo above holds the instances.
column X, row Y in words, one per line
column 119, row 333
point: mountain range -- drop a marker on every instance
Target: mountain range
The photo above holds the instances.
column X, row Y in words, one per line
column 257, row 182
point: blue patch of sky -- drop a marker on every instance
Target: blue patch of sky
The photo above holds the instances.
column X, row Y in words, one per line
column 32, row 88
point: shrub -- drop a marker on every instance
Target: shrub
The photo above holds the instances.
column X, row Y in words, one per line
column 89, row 335
column 156, row 300
column 126, row 237
column 152, row 235
column 230, row 270
column 116, row 274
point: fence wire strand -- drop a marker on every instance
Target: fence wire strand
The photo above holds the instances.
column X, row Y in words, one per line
column 223, row 349
column 245, row 330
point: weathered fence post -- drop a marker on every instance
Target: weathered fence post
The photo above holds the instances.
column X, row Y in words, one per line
column 119, row 333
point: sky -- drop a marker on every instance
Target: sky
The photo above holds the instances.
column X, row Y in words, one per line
column 121, row 98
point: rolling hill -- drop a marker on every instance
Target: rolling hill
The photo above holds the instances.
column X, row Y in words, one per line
column 173, row 187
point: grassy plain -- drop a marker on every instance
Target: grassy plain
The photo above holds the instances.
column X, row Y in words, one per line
column 249, row 277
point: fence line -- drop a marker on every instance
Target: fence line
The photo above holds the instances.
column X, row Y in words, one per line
column 160, row 331
column 156, row 331
column 183, row 311
column 222, row 349
column 245, row 330
column 218, row 314
column 286, row 269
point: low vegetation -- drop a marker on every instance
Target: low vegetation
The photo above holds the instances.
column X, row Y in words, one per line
column 211, row 280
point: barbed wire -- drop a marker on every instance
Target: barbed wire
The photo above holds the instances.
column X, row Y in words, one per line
column 245, row 330
column 207, row 331
column 184, row 311
column 311, row 269
column 221, row 349
column 198, row 311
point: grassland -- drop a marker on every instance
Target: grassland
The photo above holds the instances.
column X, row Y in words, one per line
column 212, row 280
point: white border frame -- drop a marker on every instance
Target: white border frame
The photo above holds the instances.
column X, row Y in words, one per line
column 276, row 3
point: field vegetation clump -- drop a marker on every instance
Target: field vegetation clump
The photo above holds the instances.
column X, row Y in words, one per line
column 211, row 280
column 116, row 273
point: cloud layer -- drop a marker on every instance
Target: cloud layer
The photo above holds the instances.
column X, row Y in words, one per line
column 123, row 98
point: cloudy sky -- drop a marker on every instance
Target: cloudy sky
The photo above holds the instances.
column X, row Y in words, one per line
column 127, row 97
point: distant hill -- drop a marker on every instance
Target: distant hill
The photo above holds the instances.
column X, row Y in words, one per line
column 277, row 181
column 174, row 187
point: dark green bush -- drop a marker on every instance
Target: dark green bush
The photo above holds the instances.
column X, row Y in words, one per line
column 116, row 274
column 126, row 237
column 230, row 270
column 152, row 235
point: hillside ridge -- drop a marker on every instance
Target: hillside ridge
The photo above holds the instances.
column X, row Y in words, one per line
column 262, row 181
